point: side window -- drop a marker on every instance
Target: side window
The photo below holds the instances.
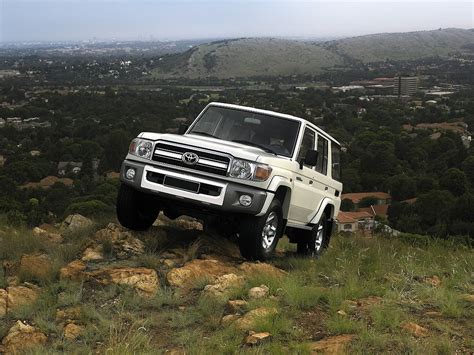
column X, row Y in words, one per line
column 322, row 165
column 336, row 161
column 307, row 143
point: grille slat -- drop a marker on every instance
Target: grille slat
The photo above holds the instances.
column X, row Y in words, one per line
column 209, row 162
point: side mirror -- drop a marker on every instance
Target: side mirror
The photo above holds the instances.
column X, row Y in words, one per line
column 183, row 127
column 310, row 159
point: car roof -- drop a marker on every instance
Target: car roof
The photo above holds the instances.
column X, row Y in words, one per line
column 273, row 113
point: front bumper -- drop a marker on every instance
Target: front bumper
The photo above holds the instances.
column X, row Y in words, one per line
column 213, row 193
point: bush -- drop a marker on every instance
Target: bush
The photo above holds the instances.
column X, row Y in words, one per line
column 89, row 208
column 15, row 218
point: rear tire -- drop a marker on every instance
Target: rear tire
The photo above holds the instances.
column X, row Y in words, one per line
column 259, row 235
column 136, row 210
column 315, row 242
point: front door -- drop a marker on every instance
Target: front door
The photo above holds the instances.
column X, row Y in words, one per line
column 305, row 198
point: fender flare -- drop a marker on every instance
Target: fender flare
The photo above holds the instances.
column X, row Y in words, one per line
column 319, row 212
column 277, row 182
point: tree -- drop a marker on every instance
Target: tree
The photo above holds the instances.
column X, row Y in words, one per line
column 401, row 187
column 434, row 207
column 454, row 180
column 347, row 205
column 468, row 168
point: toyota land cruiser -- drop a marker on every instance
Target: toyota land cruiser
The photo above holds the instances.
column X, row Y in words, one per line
column 254, row 172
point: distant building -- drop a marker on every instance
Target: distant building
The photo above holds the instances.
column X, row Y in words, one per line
column 405, row 85
column 47, row 182
column 66, row 166
column 381, row 198
column 354, row 221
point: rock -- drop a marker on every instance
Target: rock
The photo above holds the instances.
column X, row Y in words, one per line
column 332, row 345
column 49, row 236
column 93, row 253
column 68, row 314
column 3, row 302
column 21, row 337
column 247, row 321
column 257, row 338
column 236, row 306
column 261, row 268
column 229, row 319
column 124, row 244
column 75, row 222
column 415, row 329
column 258, row 292
column 38, row 266
column 73, row 271
column 224, row 284
column 168, row 263
column 433, row 281
column 467, row 298
column 23, row 295
column 143, row 280
column 13, row 280
column 433, row 314
column 341, row 313
column 72, row 331
column 184, row 277
column 188, row 223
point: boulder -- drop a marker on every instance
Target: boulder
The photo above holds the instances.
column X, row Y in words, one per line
column 93, row 253
column 184, row 277
column 467, row 298
column 257, row 338
column 332, row 345
column 48, row 236
column 3, row 302
column 68, row 314
column 258, row 292
column 38, row 266
column 21, row 337
column 415, row 329
column 124, row 243
column 248, row 320
column 229, row 319
column 73, row 271
column 143, row 280
column 261, row 268
column 23, row 295
column 236, row 306
column 72, row 331
column 223, row 284
column 75, row 222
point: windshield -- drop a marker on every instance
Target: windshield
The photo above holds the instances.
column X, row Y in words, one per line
column 269, row 133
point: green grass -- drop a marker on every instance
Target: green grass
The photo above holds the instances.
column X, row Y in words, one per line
column 309, row 299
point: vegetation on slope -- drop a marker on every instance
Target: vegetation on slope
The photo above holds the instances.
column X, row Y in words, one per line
column 372, row 290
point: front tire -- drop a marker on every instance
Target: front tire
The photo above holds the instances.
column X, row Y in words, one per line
column 316, row 241
column 135, row 210
column 259, row 235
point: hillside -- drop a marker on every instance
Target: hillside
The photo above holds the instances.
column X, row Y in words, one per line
column 249, row 57
column 86, row 287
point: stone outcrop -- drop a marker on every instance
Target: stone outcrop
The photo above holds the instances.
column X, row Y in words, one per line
column 261, row 268
column 236, row 306
column 223, row 284
column 258, row 292
column 93, row 253
column 415, row 329
column 248, row 320
column 332, row 345
column 74, row 223
column 3, row 302
column 124, row 243
column 47, row 236
column 38, row 266
column 73, row 271
column 72, row 331
column 184, row 277
column 22, row 337
column 257, row 338
column 23, row 295
column 143, row 280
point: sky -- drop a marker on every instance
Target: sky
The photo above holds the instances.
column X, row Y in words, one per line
column 77, row 20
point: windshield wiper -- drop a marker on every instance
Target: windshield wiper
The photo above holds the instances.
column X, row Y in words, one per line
column 204, row 134
column 266, row 149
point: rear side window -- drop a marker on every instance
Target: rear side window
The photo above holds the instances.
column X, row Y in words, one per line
column 322, row 166
column 336, row 161
column 307, row 144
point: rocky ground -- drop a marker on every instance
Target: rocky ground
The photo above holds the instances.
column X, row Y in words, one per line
column 82, row 287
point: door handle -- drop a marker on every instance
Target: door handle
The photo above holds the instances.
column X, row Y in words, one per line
column 299, row 179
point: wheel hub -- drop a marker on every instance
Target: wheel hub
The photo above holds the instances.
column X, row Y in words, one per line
column 269, row 231
column 318, row 240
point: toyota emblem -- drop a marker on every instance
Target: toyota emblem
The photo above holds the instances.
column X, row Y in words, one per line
column 190, row 158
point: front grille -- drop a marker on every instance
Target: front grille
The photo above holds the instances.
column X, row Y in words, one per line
column 209, row 162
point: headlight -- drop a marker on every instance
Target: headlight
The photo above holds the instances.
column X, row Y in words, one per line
column 242, row 169
column 141, row 148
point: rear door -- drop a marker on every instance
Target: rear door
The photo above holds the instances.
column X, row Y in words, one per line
column 305, row 197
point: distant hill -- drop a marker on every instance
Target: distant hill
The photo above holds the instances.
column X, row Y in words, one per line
column 247, row 57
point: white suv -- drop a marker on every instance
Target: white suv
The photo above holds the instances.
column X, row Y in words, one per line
column 256, row 173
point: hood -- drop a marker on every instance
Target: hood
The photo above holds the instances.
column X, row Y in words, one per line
column 237, row 150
